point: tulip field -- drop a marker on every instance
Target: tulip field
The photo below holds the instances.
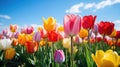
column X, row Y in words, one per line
column 79, row 42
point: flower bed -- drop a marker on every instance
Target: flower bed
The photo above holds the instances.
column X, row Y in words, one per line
column 80, row 42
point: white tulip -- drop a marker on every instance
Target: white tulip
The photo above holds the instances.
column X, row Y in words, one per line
column 5, row 44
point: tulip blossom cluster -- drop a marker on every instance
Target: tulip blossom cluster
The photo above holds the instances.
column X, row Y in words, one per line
column 79, row 42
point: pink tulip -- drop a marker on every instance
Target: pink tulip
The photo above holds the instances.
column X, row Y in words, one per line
column 72, row 24
column 23, row 30
column 59, row 56
column 37, row 36
column 29, row 29
column 77, row 39
column 9, row 35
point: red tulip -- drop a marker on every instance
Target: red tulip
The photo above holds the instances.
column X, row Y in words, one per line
column 72, row 24
column 117, row 34
column 105, row 28
column 43, row 32
column 31, row 46
column 88, row 22
column 53, row 36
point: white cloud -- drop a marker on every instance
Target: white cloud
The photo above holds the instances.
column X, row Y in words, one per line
column 105, row 3
column 5, row 16
column 117, row 21
column 75, row 8
column 96, row 6
column 89, row 5
column 117, row 24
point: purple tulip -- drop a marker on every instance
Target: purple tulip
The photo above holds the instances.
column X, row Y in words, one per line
column 5, row 32
column 15, row 35
column 37, row 36
column 59, row 56
column 95, row 29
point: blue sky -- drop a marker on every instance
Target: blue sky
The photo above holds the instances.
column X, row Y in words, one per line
column 30, row 12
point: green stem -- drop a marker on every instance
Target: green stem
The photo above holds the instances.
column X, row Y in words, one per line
column 88, row 36
column 71, row 52
column 116, row 43
column 103, row 42
column 53, row 53
column 66, row 58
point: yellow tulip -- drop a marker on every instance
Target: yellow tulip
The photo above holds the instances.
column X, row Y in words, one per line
column 10, row 53
column 60, row 29
column 39, row 28
column 106, row 59
column 74, row 49
column 66, row 42
column 83, row 33
column 49, row 24
column 113, row 33
column 43, row 43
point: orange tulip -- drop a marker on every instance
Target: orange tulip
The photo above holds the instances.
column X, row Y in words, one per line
column 22, row 38
column 31, row 46
column 13, row 28
column 83, row 33
column 113, row 33
column 15, row 42
column 10, row 53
